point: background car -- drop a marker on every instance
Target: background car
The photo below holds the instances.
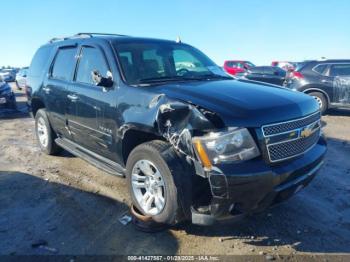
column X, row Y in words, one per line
column 7, row 97
column 328, row 81
column 237, row 67
column 285, row 65
column 268, row 74
column 21, row 77
column 8, row 75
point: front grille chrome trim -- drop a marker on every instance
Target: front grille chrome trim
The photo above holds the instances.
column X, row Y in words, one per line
column 285, row 122
column 293, row 156
column 281, row 150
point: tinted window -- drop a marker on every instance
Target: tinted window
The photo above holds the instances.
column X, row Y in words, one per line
column 39, row 61
column 91, row 59
column 340, row 70
column 64, row 63
column 320, row 68
column 269, row 71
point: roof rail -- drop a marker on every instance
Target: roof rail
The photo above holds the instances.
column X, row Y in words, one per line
column 92, row 34
column 81, row 35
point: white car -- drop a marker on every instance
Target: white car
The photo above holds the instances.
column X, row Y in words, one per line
column 21, row 77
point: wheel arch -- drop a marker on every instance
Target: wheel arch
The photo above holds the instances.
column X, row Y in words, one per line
column 315, row 89
column 134, row 137
column 36, row 104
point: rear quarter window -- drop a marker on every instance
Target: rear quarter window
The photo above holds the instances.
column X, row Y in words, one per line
column 320, row 69
column 40, row 61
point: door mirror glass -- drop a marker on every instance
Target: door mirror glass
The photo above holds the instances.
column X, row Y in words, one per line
column 104, row 81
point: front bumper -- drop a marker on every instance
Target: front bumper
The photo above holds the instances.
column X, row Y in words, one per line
column 249, row 187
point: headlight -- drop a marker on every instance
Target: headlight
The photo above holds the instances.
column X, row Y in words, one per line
column 234, row 145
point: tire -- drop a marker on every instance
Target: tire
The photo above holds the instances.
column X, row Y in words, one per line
column 322, row 101
column 43, row 130
column 154, row 153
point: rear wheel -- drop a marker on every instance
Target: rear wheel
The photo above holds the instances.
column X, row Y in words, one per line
column 321, row 100
column 151, row 184
column 44, row 133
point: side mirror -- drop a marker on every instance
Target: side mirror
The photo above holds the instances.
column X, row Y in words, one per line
column 100, row 80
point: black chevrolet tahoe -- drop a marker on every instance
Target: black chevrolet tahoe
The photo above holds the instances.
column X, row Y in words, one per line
column 193, row 143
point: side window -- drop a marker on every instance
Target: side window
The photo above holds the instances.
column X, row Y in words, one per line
column 39, row 61
column 256, row 70
column 268, row 71
column 91, row 59
column 340, row 70
column 321, row 69
column 64, row 63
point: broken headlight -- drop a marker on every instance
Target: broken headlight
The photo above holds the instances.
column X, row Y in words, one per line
column 234, row 145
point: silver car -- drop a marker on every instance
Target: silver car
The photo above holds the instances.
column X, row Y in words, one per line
column 21, row 77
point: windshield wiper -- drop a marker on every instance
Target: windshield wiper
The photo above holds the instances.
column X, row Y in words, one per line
column 212, row 76
column 165, row 79
column 181, row 78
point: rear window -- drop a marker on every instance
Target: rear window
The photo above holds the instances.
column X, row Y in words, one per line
column 39, row 61
column 321, row 69
column 64, row 63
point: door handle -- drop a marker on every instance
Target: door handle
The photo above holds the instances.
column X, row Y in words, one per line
column 46, row 89
column 72, row 97
column 326, row 81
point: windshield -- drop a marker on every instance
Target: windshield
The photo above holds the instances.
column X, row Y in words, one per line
column 152, row 62
column 249, row 64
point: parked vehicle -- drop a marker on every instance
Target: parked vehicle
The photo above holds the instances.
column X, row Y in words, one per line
column 7, row 97
column 285, row 65
column 269, row 74
column 327, row 81
column 193, row 143
column 237, row 67
column 21, row 78
column 8, row 75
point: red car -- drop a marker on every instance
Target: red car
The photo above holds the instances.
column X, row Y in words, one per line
column 234, row 67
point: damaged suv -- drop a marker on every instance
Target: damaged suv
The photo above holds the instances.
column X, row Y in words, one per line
column 193, row 143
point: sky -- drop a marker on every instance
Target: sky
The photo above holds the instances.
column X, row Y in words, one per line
column 256, row 30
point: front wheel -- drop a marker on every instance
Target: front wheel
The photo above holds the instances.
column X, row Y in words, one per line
column 151, row 184
column 321, row 100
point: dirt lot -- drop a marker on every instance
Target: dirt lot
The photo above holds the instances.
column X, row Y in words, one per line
column 73, row 208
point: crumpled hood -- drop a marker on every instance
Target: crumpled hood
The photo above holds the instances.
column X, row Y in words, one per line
column 243, row 103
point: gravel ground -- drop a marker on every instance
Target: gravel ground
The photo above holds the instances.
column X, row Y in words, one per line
column 66, row 206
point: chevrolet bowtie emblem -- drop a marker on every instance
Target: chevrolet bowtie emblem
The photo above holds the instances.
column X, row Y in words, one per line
column 306, row 132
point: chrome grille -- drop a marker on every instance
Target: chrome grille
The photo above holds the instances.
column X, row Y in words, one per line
column 291, row 138
column 292, row 148
column 290, row 125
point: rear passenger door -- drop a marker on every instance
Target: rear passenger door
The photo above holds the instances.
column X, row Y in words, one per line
column 55, row 88
column 89, row 102
column 340, row 75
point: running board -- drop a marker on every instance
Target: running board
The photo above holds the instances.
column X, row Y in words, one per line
column 100, row 162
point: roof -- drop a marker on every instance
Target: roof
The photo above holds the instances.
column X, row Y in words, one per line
column 106, row 36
